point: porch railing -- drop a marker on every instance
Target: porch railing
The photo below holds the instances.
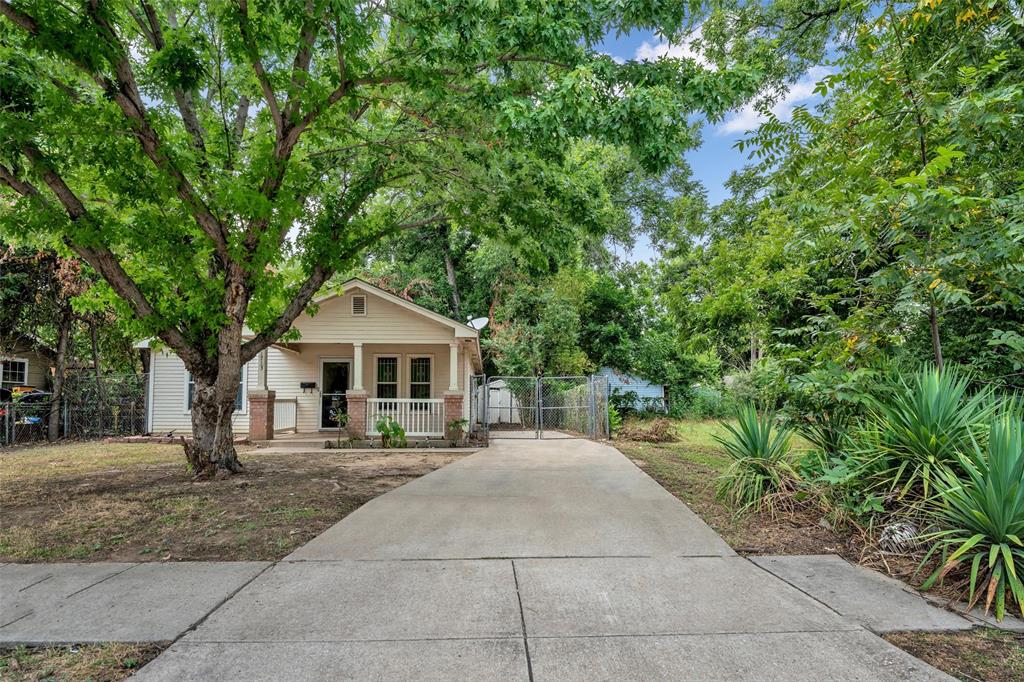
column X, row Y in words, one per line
column 417, row 417
column 284, row 414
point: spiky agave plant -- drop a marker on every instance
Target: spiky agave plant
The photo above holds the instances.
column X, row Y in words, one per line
column 760, row 465
column 921, row 426
column 981, row 512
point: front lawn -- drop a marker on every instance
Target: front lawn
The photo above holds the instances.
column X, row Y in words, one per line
column 129, row 502
column 688, row 468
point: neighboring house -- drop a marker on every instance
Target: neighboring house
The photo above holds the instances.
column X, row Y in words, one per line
column 24, row 366
column 649, row 396
column 366, row 352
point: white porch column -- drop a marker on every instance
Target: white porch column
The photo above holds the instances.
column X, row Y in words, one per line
column 261, row 370
column 357, row 366
column 453, row 367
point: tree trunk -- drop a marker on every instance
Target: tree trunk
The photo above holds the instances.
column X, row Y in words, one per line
column 933, row 318
column 60, row 368
column 449, row 267
column 212, row 447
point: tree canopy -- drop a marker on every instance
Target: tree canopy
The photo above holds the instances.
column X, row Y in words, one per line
column 215, row 162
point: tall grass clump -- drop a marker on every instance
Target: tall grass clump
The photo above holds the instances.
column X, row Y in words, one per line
column 981, row 509
column 760, row 466
column 920, row 426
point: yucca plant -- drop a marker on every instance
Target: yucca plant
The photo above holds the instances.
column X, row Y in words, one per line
column 981, row 512
column 760, row 454
column 923, row 425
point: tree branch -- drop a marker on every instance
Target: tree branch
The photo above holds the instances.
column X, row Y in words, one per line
column 99, row 257
column 261, row 74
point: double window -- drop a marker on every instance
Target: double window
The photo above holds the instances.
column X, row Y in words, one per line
column 14, row 372
column 388, row 377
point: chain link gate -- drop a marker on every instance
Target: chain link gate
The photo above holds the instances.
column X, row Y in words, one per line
column 539, row 407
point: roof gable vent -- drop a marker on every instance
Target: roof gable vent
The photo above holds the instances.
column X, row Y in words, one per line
column 358, row 305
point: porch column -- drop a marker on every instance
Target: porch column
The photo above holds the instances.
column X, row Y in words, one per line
column 453, row 367
column 261, row 415
column 356, row 426
column 357, row 366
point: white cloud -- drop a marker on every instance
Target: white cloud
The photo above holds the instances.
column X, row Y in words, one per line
column 662, row 48
column 801, row 92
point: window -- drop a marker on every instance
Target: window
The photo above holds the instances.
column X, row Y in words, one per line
column 419, row 378
column 239, row 397
column 387, row 377
column 15, row 372
column 358, row 305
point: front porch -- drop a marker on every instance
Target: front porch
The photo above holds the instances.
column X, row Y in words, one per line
column 306, row 388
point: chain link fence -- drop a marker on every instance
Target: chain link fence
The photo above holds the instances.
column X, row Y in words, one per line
column 90, row 407
column 539, row 407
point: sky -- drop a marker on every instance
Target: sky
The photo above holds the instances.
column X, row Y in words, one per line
column 717, row 157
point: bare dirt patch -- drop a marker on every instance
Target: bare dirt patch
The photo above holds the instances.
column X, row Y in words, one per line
column 95, row 662
column 979, row 654
column 129, row 502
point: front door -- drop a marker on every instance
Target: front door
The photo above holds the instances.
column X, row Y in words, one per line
column 334, row 381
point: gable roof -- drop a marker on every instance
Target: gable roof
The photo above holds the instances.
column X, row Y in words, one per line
column 461, row 330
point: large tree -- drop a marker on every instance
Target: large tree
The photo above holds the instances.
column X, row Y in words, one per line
column 183, row 150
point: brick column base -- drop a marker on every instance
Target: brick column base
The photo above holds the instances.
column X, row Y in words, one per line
column 452, row 411
column 356, row 426
column 261, row 415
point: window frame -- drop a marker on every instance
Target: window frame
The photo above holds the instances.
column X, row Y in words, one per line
column 243, row 386
column 429, row 383
column 398, row 375
column 24, row 369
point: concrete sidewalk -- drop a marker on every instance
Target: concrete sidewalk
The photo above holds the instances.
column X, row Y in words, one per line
column 531, row 560
column 113, row 602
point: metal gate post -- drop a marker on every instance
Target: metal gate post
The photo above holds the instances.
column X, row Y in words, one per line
column 540, row 407
column 607, row 408
column 592, row 422
column 486, row 417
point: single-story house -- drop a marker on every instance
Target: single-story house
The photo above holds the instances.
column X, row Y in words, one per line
column 365, row 352
column 649, row 396
column 24, row 363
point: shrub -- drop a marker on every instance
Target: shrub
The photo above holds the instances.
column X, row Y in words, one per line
column 703, row 402
column 392, row 435
column 765, row 385
column 614, row 420
column 760, row 467
column 982, row 514
column 923, row 425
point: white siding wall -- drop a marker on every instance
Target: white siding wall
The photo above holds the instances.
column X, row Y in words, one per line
column 168, row 411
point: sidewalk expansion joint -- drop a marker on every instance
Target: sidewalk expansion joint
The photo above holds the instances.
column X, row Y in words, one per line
column 101, row 580
column 522, row 620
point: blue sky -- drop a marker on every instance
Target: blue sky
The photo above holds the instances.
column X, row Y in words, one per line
column 717, row 156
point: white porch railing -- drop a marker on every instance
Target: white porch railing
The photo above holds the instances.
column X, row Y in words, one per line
column 284, row 414
column 417, row 417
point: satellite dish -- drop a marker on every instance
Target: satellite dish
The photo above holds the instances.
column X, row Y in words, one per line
column 478, row 323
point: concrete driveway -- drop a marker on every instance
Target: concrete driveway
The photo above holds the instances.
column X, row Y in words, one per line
column 531, row 560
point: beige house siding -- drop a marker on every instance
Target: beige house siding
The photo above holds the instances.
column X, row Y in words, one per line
column 384, row 322
column 38, row 373
column 167, row 410
column 286, row 369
